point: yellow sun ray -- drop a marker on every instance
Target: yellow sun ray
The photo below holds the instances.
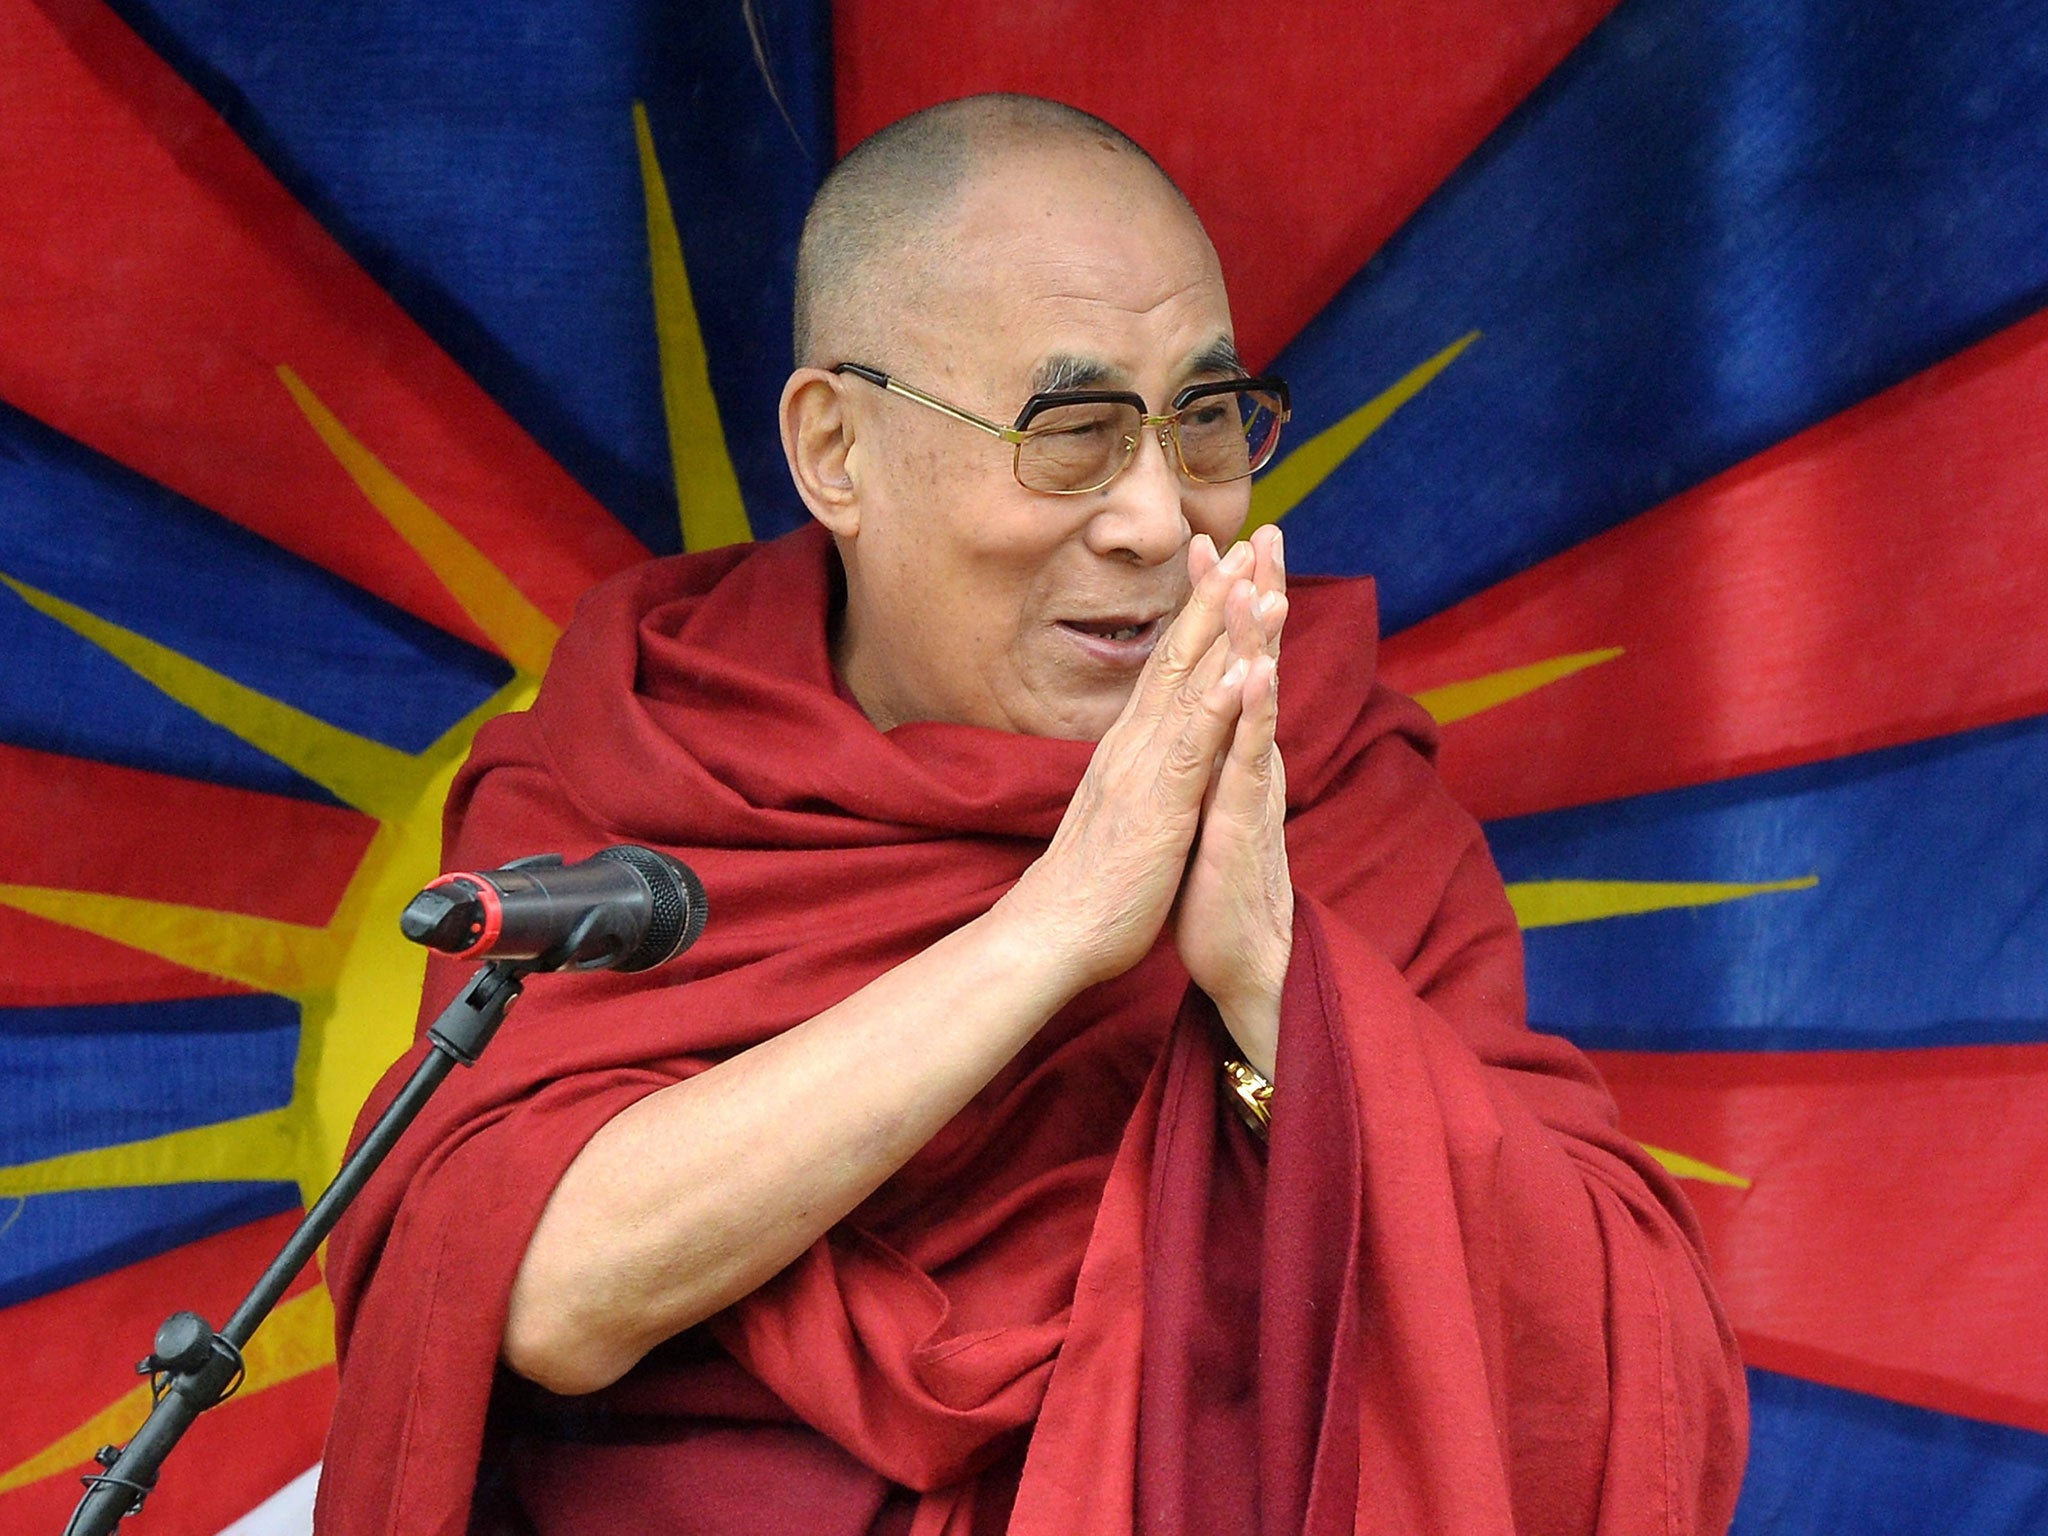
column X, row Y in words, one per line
column 358, row 960
column 1682, row 1167
column 364, row 773
column 112, row 1425
column 1460, row 701
column 347, row 1040
column 258, row 1147
column 262, row 952
column 1550, row 903
column 1288, row 482
column 296, row 1339
column 356, row 967
column 523, row 634
column 707, row 491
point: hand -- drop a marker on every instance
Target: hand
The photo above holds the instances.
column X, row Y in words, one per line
column 1100, row 893
column 1234, row 922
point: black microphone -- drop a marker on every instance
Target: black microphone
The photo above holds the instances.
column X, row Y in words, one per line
column 625, row 908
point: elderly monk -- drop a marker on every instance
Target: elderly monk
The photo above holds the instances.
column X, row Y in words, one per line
column 1102, row 1100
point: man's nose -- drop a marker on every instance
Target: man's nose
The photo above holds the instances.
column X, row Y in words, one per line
column 1144, row 515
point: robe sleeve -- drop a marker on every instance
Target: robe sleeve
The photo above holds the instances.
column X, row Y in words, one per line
column 1544, row 1349
column 1480, row 1308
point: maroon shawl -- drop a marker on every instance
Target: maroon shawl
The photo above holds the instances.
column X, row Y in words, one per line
column 1450, row 1297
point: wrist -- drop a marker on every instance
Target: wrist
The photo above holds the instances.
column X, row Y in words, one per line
column 1038, row 941
column 1254, row 1023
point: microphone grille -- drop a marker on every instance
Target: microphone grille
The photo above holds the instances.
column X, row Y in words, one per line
column 679, row 911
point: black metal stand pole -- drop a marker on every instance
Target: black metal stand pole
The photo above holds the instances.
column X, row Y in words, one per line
column 195, row 1367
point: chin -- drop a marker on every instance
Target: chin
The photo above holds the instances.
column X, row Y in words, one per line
column 1085, row 719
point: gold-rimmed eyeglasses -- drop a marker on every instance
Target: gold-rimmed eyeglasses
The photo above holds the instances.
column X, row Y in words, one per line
column 1072, row 441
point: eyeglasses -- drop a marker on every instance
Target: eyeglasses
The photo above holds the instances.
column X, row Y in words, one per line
column 1069, row 442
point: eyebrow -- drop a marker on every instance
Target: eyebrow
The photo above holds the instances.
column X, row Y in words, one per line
column 1065, row 371
column 1220, row 356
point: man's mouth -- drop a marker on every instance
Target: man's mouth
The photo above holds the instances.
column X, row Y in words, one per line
column 1110, row 630
column 1124, row 637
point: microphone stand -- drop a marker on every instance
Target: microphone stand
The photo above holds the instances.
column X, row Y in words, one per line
column 191, row 1366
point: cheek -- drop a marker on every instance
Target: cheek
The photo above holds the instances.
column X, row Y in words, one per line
column 956, row 551
column 1220, row 513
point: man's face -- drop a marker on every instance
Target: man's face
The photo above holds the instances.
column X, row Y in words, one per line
column 970, row 598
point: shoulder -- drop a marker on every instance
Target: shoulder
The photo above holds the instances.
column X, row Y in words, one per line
column 766, row 605
column 663, row 640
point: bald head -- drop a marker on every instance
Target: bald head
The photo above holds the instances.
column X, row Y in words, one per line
column 879, row 231
column 967, row 259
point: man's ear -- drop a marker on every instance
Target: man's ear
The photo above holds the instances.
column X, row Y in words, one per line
column 818, row 441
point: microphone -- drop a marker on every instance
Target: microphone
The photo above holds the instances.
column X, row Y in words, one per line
column 625, row 908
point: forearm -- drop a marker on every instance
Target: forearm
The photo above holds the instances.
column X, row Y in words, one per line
column 699, row 1193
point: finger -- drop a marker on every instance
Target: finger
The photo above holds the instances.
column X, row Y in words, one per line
column 1195, row 628
column 1267, row 574
column 1202, row 558
column 1270, row 612
column 1241, row 621
column 1189, row 760
column 1270, row 577
column 1250, row 775
column 1172, row 707
column 1205, row 677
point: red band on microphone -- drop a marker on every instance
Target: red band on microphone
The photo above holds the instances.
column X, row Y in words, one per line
column 482, row 935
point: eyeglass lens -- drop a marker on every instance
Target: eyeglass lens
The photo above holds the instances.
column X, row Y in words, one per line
column 1224, row 436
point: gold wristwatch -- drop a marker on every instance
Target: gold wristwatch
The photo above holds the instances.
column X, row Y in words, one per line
column 1251, row 1095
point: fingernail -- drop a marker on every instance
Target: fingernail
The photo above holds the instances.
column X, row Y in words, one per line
column 1268, row 604
column 1239, row 558
column 1279, row 544
column 1233, row 675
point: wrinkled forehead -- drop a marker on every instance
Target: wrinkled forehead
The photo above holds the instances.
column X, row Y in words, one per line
column 1074, row 267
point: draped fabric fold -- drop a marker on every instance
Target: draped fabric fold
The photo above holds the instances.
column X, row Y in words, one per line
column 1449, row 1297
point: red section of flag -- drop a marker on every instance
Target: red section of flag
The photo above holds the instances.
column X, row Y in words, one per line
column 80, row 825
column 1892, row 1241
column 1879, row 578
column 156, row 276
column 76, row 1348
column 94, row 826
column 1303, row 143
column 48, row 965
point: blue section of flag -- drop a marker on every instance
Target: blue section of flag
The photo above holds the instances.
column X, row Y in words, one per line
column 85, row 1077
column 1712, row 227
column 99, row 536
column 1927, row 927
column 1823, row 1459
column 507, row 216
column 50, row 1241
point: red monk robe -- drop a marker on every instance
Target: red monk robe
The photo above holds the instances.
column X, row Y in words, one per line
column 1450, row 1297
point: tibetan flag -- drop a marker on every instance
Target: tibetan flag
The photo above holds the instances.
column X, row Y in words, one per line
column 1679, row 370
